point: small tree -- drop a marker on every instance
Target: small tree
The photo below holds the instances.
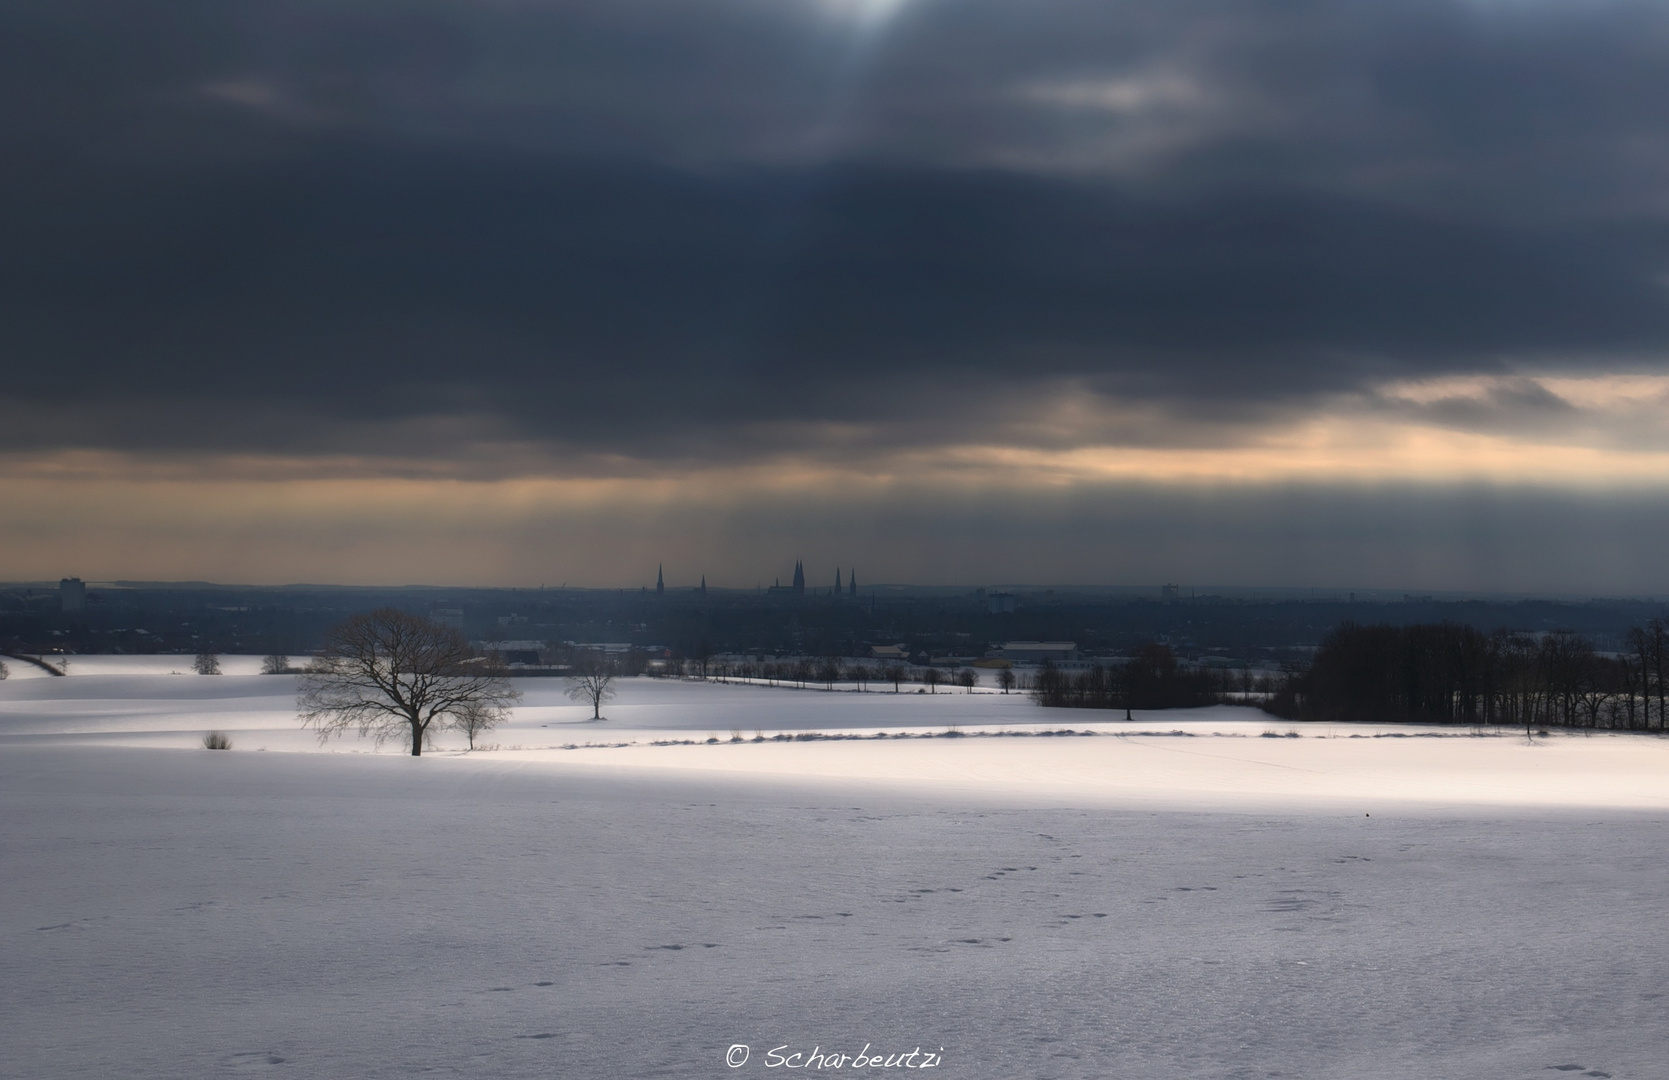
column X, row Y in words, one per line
column 207, row 663
column 592, row 680
column 276, row 665
column 392, row 674
column 475, row 720
column 894, row 673
column 967, row 679
column 1005, row 679
column 4, row 670
column 932, row 677
column 828, row 671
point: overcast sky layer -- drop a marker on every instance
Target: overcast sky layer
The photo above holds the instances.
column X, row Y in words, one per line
column 1321, row 293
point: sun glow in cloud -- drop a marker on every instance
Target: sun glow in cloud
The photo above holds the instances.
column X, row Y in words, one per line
column 1599, row 429
column 866, row 13
column 1040, row 497
column 1602, row 391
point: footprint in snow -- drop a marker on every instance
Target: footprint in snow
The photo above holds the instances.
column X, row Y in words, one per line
column 263, row 1060
column 78, row 924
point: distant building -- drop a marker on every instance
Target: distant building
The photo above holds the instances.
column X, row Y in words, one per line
column 797, row 589
column 72, row 596
column 515, row 653
column 1169, row 592
column 999, row 603
column 447, row 616
column 610, row 648
column 889, row 652
column 660, row 580
column 852, row 584
column 1035, row 652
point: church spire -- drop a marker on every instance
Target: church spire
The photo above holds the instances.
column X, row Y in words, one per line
column 838, row 586
column 660, row 581
column 799, row 578
column 852, row 579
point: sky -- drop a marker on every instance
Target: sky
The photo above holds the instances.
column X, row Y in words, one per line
column 519, row 292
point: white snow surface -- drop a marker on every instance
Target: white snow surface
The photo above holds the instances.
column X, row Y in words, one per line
column 1191, row 894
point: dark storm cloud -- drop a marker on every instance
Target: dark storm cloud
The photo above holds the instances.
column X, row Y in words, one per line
column 720, row 230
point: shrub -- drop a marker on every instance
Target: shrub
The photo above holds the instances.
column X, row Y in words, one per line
column 217, row 740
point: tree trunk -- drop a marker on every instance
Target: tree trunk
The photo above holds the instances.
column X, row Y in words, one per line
column 416, row 739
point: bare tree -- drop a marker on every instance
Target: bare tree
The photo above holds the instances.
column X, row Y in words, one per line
column 1005, row 679
column 1658, row 638
column 592, row 680
column 932, row 677
column 391, row 674
column 893, row 673
column 475, row 720
column 207, row 663
column 276, row 664
column 967, row 679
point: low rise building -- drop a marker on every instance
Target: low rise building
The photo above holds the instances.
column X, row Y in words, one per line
column 1035, row 652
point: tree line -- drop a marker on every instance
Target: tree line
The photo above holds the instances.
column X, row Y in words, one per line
column 1151, row 679
column 828, row 671
column 1447, row 673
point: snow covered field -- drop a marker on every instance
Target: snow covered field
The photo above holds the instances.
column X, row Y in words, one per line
column 1177, row 897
